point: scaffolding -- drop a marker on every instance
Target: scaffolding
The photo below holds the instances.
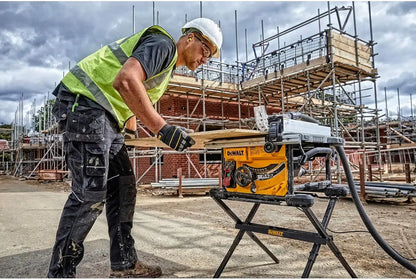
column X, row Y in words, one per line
column 324, row 73
column 36, row 145
column 321, row 74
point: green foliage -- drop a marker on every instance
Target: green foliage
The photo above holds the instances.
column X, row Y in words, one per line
column 7, row 157
column 352, row 119
column 7, row 135
column 38, row 118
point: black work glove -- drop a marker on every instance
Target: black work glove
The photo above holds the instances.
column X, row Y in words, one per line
column 175, row 137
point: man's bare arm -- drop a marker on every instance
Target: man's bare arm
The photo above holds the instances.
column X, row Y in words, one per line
column 129, row 83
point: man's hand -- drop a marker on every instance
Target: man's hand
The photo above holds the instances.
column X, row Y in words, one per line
column 175, row 137
column 130, row 134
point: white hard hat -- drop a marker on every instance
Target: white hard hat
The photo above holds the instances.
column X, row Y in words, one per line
column 209, row 29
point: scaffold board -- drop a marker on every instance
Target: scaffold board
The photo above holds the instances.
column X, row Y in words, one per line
column 204, row 139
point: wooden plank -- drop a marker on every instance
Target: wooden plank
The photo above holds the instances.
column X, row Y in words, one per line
column 364, row 54
column 50, row 175
column 227, row 143
column 301, row 67
column 403, row 145
column 201, row 138
column 343, row 40
column 351, row 57
column 344, row 70
column 342, row 60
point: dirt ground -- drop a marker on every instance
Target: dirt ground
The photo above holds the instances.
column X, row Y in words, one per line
column 188, row 237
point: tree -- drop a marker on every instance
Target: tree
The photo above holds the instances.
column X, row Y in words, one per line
column 39, row 118
column 5, row 132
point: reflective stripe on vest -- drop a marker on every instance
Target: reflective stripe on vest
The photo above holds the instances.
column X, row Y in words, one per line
column 118, row 52
column 93, row 76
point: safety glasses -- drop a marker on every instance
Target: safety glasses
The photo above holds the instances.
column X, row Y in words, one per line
column 205, row 48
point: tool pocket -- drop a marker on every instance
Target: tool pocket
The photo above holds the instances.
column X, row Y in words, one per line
column 94, row 189
column 95, row 160
column 85, row 124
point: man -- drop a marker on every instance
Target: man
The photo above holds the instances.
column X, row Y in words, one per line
column 93, row 103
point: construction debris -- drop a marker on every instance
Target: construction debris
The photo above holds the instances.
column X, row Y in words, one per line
column 388, row 190
column 187, row 183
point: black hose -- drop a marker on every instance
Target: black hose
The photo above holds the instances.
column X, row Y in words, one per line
column 313, row 152
column 318, row 150
column 367, row 222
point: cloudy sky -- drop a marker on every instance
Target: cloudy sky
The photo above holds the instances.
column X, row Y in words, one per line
column 39, row 40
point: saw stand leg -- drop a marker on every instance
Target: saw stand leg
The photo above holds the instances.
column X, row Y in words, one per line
column 321, row 228
column 240, row 234
column 317, row 239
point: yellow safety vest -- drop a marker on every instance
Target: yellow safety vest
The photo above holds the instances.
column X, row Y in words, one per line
column 94, row 75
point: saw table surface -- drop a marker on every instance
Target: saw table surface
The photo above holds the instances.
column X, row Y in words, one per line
column 209, row 139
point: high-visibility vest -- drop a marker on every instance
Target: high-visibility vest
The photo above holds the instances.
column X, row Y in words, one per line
column 94, row 75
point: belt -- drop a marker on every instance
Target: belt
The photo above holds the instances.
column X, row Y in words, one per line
column 78, row 99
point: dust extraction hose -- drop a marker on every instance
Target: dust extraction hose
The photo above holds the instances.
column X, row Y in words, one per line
column 370, row 227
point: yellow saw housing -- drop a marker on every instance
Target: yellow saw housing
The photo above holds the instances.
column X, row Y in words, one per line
column 268, row 171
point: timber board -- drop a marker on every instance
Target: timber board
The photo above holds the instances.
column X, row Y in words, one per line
column 201, row 138
column 315, row 63
column 339, row 39
column 227, row 143
column 402, row 145
column 348, row 58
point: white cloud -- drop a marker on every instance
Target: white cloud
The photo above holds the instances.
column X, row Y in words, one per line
column 31, row 81
column 13, row 38
column 29, row 78
column 38, row 39
column 7, row 111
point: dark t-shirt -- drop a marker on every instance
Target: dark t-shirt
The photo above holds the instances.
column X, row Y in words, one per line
column 154, row 52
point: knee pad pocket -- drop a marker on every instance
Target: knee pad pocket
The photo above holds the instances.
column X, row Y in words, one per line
column 95, row 160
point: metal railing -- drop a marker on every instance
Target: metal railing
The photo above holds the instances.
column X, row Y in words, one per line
column 214, row 71
column 302, row 51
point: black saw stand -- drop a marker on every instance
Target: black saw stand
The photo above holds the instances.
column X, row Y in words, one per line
column 320, row 238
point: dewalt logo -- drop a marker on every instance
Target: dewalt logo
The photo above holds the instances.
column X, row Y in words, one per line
column 274, row 232
column 235, row 152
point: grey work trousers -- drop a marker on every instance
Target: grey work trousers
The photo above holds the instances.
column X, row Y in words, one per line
column 101, row 175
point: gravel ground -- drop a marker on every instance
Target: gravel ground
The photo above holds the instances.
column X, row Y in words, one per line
column 188, row 237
